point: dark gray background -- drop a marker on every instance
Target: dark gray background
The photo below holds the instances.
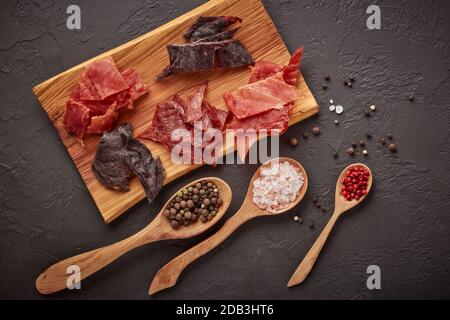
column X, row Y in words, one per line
column 46, row 213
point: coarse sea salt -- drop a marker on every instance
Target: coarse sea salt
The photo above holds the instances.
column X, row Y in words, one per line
column 277, row 186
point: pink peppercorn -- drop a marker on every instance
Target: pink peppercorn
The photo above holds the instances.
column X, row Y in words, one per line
column 354, row 185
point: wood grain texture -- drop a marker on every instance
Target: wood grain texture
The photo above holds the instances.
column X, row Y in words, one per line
column 148, row 55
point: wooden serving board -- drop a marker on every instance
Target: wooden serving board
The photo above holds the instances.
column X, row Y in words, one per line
column 148, row 55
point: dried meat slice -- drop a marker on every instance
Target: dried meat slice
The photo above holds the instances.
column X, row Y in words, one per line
column 120, row 157
column 260, row 96
column 205, row 56
column 167, row 118
column 292, row 70
column 137, row 86
column 218, row 117
column 275, row 121
column 76, row 119
column 225, row 35
column 104, row 122
column 87, row 88
column 106, row 77
column 264, row 69
column 206, row 27
column 193, row 108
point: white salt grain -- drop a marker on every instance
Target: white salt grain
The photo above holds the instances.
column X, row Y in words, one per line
column 277, row 186
column 339, row 109
column 331, row 101
column 332, row 107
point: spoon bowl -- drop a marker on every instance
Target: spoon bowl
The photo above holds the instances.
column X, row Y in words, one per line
column 167, row 232
column 255, row 210
column 168, row 275
column 55, row 277
column 341, row 205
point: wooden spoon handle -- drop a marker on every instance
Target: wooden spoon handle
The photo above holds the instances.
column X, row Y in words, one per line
column 308, row 261
column 56, row 277
column 168, row 275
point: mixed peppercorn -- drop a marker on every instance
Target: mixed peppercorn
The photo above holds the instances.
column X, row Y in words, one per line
column 201, row 201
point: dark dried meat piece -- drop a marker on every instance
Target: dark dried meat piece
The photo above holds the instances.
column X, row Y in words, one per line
column 206, row 27
column 205, row 56
column 225, row 35
column 120, row 157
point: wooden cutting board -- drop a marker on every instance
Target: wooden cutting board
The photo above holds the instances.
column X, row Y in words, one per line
column 148, row 55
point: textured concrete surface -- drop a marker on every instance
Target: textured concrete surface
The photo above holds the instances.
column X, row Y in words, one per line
column 46, row 213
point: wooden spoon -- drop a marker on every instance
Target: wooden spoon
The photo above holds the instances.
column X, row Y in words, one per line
column 168, row 275
column 55, row 277
column 341, row 205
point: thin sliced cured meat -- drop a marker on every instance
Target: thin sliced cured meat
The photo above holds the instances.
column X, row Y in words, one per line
column 102, row 89
column 264, row 69
column 217, row 116
column 106, row 77
column 87, row 88
column 104, row 122
column 76, row 118
column 193, row 108
column 167, row 118
column 292, row 70
column 275, row 121
column 260, row 96
column 137, row 86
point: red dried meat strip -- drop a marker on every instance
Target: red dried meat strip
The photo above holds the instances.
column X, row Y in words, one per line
column 102, row 90
column 87, row 88
column 218, row 117
column 76, row 118
column 264, row 69
column 167, row 118
column 106, row 77
column 193, row 108
column 260, row 96
column 292, row 70
column 105, row 122
column 137, row 86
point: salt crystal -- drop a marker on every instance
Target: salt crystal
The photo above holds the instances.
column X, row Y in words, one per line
column 339, row 109
column 277, row 186
column 331, row 101
column 332, row 107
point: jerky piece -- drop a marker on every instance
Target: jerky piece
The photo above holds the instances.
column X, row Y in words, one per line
column 120, row 157
column 206, row 27
column 149, row 171
column 167, row 118
column 204, row 56
column 232, row 55
column 225, row 35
